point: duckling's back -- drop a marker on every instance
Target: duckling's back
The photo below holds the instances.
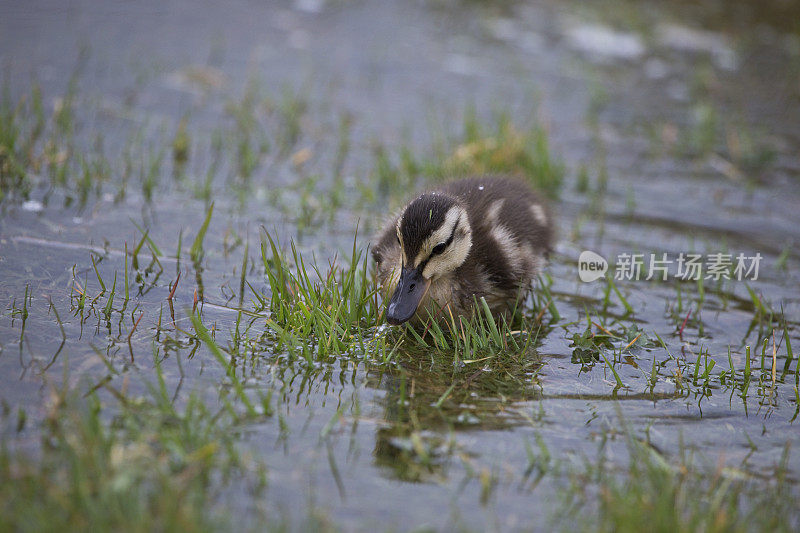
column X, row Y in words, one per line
column 511, row 239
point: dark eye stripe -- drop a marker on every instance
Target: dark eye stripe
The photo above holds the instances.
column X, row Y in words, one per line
column 443, row 245
column 439, row 248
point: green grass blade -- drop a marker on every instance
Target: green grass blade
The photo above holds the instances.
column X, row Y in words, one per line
column 196, row 251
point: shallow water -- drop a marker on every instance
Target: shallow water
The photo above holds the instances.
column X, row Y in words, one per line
column 630, row 92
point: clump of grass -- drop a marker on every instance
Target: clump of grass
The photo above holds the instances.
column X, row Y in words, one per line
column 152, row 467
column 589, row 347
column 749, row 150
column 682, row 497
column 249, row 138
column 478, row 338
column 21, row 127
column 92, row 173
column 506, row 150
column 181, row 144
column 388, row 176
column 318, row 315
column 291, row 108
column 735, row 149
column 703, row 135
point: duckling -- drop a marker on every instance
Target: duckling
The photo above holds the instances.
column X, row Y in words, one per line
column 480, row 237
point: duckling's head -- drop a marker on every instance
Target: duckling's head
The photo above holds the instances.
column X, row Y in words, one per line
column 435, row 238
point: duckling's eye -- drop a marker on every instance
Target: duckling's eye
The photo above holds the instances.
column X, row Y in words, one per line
column 439, row 248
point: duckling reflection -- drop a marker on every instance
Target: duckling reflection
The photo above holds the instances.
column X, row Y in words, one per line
column 427, row 404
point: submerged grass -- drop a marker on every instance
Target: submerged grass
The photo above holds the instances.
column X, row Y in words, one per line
column 656, row 493
column 138, row 463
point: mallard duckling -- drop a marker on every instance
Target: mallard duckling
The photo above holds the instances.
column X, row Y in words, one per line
column 483, row 237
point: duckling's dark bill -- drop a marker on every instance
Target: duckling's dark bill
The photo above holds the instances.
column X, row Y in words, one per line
column 406, row 298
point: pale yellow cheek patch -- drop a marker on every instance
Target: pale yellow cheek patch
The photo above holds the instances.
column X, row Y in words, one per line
column 450, row 260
